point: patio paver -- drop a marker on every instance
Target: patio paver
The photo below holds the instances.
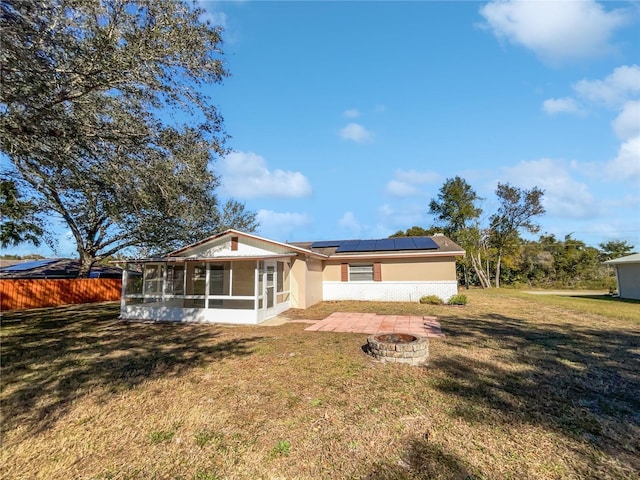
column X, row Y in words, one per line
column 370, row 323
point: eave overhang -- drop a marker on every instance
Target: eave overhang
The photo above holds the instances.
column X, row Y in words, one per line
column 233, row 258
column 374, row 255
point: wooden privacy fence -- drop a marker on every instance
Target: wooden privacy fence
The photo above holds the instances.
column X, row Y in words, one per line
column 20, row 294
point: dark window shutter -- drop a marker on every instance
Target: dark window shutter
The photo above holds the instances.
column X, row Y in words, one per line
column 344, row 272
column 377, row 272
column 234, row 243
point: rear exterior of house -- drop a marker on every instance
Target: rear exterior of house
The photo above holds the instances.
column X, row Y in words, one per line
column 240, row 278
column 402, row 269
column 627, row 275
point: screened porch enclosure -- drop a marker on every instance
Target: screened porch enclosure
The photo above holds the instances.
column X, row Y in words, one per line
column 237, row 291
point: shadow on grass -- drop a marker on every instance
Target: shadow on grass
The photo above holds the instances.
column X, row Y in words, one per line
column 52, row 356
column 607, row 298
column 580, row 380
column 422, row 460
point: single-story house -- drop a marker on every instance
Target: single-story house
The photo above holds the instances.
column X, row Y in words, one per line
column 628, row 275
column 240, row 278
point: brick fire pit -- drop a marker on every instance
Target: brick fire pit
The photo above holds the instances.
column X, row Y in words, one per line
column 399, row 348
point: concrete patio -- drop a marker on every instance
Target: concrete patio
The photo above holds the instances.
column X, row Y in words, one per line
column 371, row 323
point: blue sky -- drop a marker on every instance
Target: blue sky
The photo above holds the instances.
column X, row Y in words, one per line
column 347, row 117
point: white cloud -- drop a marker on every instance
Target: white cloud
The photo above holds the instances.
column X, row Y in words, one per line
column 215, row 18
column 281, row 224
column 627, row 123
column 553, row 106
column 394, row 219
column 626, row 165
column 357, row 133
column 555, row 30
column 622, row 85
column 401, row 189
column 614, row 91
column 413, row 176
column 245, row 175
column 218, row 19
column 386, row 210
column 351, row 113
column 405, row 182
column 563, row 195
column 348, row 220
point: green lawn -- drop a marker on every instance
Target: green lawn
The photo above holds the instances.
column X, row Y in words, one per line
column 522, row 386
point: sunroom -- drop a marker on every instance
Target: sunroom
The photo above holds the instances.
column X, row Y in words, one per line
column 207, row 290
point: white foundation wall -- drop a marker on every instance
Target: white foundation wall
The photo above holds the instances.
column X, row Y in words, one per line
column 389, row 291
column 200, row 315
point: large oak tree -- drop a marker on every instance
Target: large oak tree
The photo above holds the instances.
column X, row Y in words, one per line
column 105, row 123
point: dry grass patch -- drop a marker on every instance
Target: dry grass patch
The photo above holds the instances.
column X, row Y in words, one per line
column 520, row 387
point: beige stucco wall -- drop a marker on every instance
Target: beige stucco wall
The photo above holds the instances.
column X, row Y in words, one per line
column 306, row 282
column 298, row 282
column 402, row 269
column 314, row 282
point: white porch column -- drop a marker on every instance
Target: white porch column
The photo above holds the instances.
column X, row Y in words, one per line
column 256, row 271
column 125, row 275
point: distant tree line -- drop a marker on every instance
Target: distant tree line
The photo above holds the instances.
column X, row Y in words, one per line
column 496, row 252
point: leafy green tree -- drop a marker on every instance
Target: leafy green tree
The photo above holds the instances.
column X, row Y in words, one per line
column 104, row 120
column 455, row 206
column 614, row 249
column 575, row 261
column 455, row 210
column 537, row 263
column 516, row 212
column 20, row 223
column 416, row 231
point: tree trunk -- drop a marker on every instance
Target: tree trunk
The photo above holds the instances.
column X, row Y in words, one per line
column 477, row 266
column 498, row 270
column 466, row 276
column 86, row 262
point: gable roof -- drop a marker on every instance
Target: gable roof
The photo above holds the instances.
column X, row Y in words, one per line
column 402, row 247
column 238, row 233
column 633, row 258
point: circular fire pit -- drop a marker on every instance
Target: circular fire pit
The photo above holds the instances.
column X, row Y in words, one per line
column 399, row 348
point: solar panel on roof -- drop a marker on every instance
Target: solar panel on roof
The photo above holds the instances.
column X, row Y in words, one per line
column 20, row 267
column 348, row 246
column 404, row 243
column 425, row 243
column 366, row 245
column 387, row 245
column 326, row 244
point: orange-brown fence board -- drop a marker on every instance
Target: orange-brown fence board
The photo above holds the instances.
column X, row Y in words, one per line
column 21, row 294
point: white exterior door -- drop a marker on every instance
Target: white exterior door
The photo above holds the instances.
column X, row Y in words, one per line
column 269, row 282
